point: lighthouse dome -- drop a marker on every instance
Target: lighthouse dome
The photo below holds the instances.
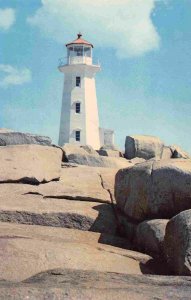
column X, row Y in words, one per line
column 80, row 41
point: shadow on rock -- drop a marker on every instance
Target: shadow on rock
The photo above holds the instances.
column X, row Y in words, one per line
column 155, row 266
column 107, row 224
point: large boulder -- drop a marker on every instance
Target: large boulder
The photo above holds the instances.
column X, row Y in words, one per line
column 143, row 146
column 177, row 243
column 30, row 163
column 8, row 137
column 154, row 189
column 150, row 236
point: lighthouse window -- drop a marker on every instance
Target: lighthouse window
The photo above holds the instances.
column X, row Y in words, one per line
column 78, row 81
column 78, row 108
column 79, row 51
column 87, row 52
column 78, row 136
column 71, row 51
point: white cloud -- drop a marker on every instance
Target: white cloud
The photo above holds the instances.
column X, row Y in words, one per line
column 13, row 76
column 124, row 25
column 7, row 18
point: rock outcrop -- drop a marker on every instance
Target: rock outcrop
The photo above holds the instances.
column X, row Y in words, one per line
column 143, row 146
column 154, row 189
column 34, row 249
column 150, row 237
column 74, row 222
column 177, row 152
column 24, row 204
column 95, row 285
column 84, row 155
column 89, row 149
column 8, row 137
column 167, row 153
column 32, row 164
column 177, row 243
column 110, row 153
column 81, row 183
column 98, row 161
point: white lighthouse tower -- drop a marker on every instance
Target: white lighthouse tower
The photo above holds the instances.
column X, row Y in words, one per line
column 79, row 117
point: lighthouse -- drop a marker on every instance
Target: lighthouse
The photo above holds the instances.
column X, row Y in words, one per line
column 79, row 122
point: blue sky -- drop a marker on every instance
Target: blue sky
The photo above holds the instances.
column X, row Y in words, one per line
column 144, row 47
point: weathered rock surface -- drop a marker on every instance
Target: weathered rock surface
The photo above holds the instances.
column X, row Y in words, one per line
column 66, row 235
column 178, row 152
column 82, row 156
column 150, row 236
column 177, row 243
column 154, row 189
column 22, row 204
column 69, row 149
column 30, row 254
column 80, row 183
column 99, row 161
column 110, row 153
column 89, row 149
column 128, row 228
column 136, row 160
column 89, row 284
column 167, row 153
column 143, row 146
column 30, row 163
column 8, row 137
column 109, row 147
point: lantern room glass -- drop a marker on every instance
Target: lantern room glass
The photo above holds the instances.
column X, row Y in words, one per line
column 74, row 51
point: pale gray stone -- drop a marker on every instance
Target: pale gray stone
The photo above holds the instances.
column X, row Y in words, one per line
column 94, row 285
column 177, row 243
column 109, row 147
column 110, row 153
column 143, row 146
column 167, row 153
column 154, row 189
column 178, row 152
column 89, row 149
column 98, row 161
column 59, row 204
column 30, row 163
column 26, row 252
column 19, row 138
column 137, row 160
column 77, row 155
column 150, row 236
